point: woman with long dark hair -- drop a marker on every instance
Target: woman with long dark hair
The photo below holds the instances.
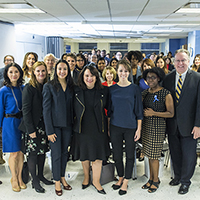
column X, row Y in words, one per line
column 29, row 59
column 10, row 118
column 34, row 139
column 57, row 111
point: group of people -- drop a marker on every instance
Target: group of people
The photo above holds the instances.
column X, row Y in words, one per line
column 68, row 103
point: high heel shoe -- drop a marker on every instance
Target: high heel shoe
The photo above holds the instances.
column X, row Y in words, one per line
column 85, row 186
column 100, row 191
column 23, row 186
column 38, row 187
column 58, row 192
column 67, row 187
column 45, row 181
column 17, row 189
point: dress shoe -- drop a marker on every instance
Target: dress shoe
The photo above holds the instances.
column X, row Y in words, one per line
column 100, row 191
column 58, row 192
column 67, row 187
column 38, row 188
column 116, row 187
column 23, row 186
column 183, row 189
column 85, row 186
column 174, row 182
column 17, row 189
column 45, row 181
column 122, row 192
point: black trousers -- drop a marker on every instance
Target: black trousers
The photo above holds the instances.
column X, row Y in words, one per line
column 117, row 135
column 183, row 154
column 59, row 151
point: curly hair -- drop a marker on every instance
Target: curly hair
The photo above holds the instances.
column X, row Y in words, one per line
column 7, row 81
column 112, row 71
column 156, row 70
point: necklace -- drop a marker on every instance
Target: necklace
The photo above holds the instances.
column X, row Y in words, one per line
column 16, row 98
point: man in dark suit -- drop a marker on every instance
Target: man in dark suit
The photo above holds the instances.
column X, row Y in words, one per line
column 184, row 128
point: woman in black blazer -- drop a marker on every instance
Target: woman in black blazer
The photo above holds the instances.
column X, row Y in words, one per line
column 58, row 117
column 90, row 125
column 34, row 139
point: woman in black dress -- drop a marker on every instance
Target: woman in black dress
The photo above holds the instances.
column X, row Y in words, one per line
column 34, row 139
column 57, row 110
column 90, row 126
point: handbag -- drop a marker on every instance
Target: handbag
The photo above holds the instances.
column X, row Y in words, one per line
column 107, row 173
column 25, row 173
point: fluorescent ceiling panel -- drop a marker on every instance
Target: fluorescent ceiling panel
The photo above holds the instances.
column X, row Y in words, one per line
column 21, row 11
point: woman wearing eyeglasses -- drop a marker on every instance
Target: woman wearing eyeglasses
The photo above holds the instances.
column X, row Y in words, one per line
column 80, row 63
column 158, row 105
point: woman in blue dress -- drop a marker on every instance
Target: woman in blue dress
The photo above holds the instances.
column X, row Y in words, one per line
column 10, row 118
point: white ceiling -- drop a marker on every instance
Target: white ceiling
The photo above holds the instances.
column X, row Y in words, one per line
column 111, row 20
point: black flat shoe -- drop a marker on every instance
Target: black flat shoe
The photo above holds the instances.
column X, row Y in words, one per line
column 116, row 187
column 85, row 186
column 100, row 191
column 174, row 182
column 183, row 189
column 122, row 192
column 45, row 181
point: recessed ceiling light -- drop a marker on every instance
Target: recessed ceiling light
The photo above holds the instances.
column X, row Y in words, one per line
column 164, row 30
column 4, row 10
column 190, row 8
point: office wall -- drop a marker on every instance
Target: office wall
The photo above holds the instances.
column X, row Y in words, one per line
column 26, row 42
column 175, row 44
column 7, row 37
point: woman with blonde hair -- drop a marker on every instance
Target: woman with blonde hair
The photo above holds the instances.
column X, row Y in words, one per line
column 34, row 139
column 109, row 75
column 50, row 60
column 29, row 59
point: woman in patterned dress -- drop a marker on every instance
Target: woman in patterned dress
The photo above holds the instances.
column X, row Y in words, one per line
column 34, row 139
column 158, row 105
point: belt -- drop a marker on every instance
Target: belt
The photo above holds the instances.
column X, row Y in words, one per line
column 15, row 115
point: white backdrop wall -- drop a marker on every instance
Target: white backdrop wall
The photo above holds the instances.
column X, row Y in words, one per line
column 26, row 42
column 7, row 41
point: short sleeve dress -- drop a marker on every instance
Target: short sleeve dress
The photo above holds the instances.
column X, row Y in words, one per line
column 154, row 128
column 11, row 135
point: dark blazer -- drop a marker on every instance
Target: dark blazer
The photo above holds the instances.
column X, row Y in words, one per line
column 187, row 110
column 101, row 102
column 76, row 73
column 31, row 108
column 55, row 107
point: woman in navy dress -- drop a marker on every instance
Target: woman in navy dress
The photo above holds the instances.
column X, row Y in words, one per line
column 10, row 118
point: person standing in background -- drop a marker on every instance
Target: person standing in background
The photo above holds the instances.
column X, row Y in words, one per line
column 29, row 59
